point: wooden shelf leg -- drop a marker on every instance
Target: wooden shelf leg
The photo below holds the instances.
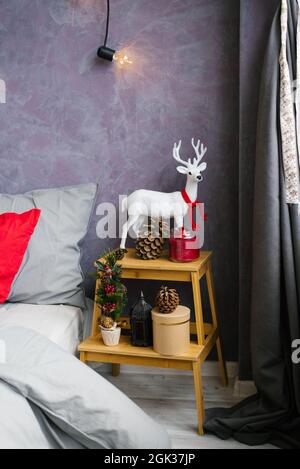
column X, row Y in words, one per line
column 116, row 368
column 222, row 363
column 96, row 312
column 82, row 357
column 213, row 307
column 198, row 308
column 199, row 397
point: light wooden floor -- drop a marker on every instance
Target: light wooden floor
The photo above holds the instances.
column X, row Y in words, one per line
column 169, row 399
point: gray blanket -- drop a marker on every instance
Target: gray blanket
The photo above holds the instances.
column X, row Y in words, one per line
column 51, row 400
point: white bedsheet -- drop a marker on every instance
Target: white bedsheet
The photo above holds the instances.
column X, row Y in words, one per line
column 61, row 324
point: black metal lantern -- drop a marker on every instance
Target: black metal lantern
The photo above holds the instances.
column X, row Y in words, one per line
column 141, row 323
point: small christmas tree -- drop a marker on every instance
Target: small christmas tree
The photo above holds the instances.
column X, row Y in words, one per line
column 112, row 294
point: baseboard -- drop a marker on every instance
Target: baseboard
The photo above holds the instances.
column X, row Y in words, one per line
column 244, row 389
column 209, row 369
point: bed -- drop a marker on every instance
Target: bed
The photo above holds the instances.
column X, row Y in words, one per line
column 49, row 399
column 62, row 324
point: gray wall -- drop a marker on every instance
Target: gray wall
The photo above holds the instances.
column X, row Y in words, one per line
column 256, row 20
column 70, row 118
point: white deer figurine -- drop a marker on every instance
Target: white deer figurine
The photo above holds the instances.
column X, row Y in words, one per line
column 160, row 205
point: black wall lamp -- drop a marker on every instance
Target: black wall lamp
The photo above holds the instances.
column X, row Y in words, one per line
column 107, row 53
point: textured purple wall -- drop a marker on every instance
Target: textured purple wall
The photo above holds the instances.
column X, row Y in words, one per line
column 70, row 118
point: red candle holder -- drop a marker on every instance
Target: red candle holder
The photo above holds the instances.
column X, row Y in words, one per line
column 184, row 247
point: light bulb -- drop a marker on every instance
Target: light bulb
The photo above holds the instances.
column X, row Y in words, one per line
column 122, row 58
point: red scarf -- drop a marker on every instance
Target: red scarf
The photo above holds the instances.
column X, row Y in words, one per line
column 193, row 205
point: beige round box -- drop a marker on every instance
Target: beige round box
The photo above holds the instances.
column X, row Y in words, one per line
column 171, row 332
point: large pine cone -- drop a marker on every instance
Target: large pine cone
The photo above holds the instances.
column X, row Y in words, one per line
column 167, row 300
column 150, row 245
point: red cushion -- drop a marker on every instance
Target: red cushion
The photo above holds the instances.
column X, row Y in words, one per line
column 15, row 233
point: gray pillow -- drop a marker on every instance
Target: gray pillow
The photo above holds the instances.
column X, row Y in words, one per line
column 50, row 272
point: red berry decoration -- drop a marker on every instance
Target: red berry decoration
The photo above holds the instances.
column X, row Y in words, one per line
column 109, row 289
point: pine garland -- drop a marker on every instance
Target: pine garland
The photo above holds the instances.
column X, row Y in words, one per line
column 112, row 294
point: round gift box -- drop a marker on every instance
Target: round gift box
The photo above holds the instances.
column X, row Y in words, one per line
column 171, row 332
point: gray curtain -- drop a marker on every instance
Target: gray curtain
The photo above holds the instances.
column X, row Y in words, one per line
column 273, row 415
column 256, row 17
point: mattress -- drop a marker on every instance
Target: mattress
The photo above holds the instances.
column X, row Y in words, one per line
column 62, row 324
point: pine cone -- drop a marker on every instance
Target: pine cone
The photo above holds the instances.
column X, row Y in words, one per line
column 167, row 300
column 150, row 245
column 107, row 322
column 120, row 254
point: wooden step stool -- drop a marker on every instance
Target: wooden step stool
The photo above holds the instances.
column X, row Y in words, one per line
column 208, row 334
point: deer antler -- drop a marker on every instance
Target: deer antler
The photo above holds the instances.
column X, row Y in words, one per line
column 176, row 155
column 199, row 154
